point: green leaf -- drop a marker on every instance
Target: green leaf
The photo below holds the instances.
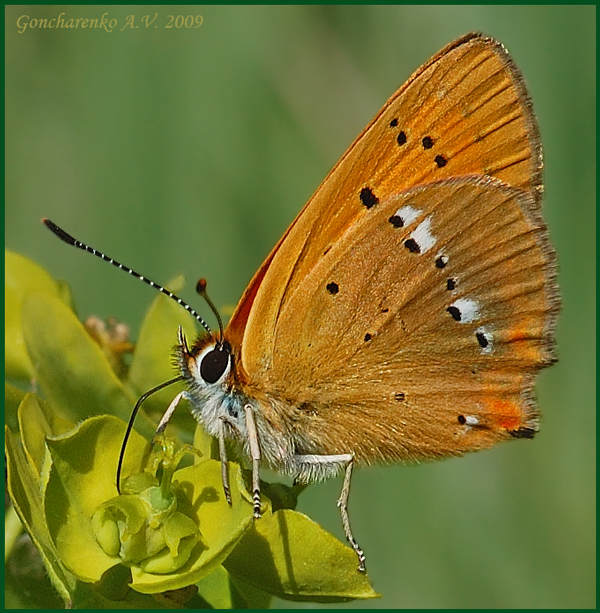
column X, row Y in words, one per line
column 215, row 589
column 24, row 490
column 246, row 596
column 207, row 445
column 82, row 478
column 22, row 279
column 288, row 555
column 72, row 370
column 36, row 421
column 223, row 591
column 13, row 396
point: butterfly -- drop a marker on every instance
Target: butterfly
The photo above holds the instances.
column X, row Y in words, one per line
column 405, row 313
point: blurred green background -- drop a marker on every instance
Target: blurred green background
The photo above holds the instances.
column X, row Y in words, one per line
column 191, row 150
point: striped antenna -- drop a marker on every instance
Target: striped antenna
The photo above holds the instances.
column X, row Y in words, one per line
column 67, row 238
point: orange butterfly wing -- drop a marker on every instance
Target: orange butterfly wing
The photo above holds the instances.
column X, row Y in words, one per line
column 465, row 112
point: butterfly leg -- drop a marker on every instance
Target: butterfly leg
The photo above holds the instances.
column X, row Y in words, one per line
column 164, row 420
column 343, row 506
column 223, row 457
column 316, row 467
column 255, row 454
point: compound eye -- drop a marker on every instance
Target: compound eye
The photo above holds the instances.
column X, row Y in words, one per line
column 214, row 363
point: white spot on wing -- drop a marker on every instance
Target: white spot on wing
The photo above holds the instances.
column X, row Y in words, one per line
column 408, row 214
column 469, row 309
column 423, row 236
column 471, row 420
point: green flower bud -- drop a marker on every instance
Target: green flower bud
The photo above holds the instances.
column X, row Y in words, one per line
column 145, row 527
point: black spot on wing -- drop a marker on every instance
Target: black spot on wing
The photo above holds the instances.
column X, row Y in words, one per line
column 523, row 432
column 482, row 340
column 412, row 245
column 333, row 288
column 455, row 312
column 396, row 221
column 368, row 197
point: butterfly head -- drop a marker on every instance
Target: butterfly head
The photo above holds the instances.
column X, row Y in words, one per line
column 208, row 362
column 208, row 369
